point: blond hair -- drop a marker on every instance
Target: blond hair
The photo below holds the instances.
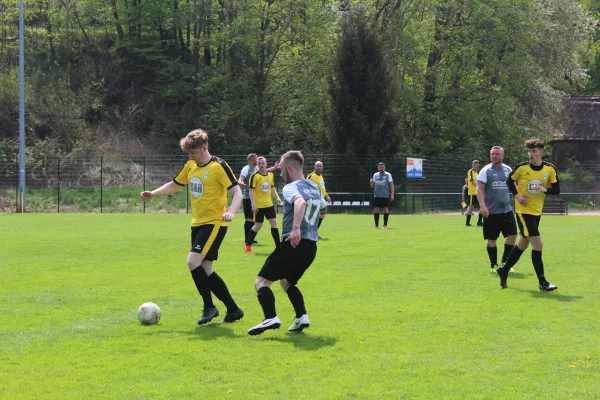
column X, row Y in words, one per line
column 194, row 140
column 294, row 158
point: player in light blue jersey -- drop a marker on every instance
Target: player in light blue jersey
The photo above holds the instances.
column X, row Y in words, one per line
column 493, row 195
column 301, row 208
column 383, row 192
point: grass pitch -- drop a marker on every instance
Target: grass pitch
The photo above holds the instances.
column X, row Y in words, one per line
column 409, row 312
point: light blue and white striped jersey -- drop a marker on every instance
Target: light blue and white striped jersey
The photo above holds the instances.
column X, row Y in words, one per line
column 310, row 192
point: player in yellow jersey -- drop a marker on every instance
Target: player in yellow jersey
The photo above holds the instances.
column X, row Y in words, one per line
column 530, row 182
column 262, row 186
column 208, row 178
column 472, row 193
column 317, row 177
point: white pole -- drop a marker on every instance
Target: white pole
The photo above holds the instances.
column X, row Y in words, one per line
column 21, row 109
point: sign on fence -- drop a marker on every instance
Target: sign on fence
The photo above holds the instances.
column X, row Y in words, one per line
column 414, row 167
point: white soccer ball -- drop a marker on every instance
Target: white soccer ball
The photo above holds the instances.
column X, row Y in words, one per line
column 148, row 313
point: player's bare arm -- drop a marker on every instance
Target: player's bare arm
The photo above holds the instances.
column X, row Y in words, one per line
column 164, row 190
column 253, row 204
column 299, row 210
column 481, row 197
column 392, row 191
column 276, row 195
column 236, row 200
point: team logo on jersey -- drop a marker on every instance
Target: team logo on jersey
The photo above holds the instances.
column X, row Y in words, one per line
column 545, row 176
column 196, row 187
column 205, row 175
column 532, row 183
column 506, row 174
column 265, row 187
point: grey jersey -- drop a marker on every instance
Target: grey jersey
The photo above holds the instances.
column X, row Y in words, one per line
column 315, row 202
column 381, row 184
column 247, row 172
column 496, row 195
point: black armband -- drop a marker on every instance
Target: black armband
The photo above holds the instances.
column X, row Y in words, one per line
column 554, row 189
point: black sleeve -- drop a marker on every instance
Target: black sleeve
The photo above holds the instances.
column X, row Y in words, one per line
column 511, row 184
column 554, row 189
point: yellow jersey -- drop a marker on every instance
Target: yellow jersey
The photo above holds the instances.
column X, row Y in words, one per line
column 527, row 175
column 208, row 185
column 318, row 179
column 262, row 185
column 472, row 189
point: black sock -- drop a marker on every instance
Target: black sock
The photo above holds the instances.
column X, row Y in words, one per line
column 247, row 227
column 493, row 255
column 320, row 222
column 538, row 265
column 479, row 218
column 507, row 249
column 275, row 234
column 251, row 236
column 513, row 257
column 203, row 286
column 376, row 216
column 266, row 298
column 219, row 288
column 468, row 219
column 297, row 300
column 385, row 218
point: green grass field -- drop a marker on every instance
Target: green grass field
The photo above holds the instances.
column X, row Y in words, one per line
column 411, row 312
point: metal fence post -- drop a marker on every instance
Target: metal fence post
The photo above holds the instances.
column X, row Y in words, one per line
column 144, row 183
column 101, row 188
column 58, row 186
column 566, row 204
column 413, row 202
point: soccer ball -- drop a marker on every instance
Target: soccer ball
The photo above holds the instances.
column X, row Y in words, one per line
column 148, row 313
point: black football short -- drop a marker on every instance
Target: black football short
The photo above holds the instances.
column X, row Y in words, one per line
column 247, row 204
column 267, row 212
column 529, row 224
column 206, row 240
column 289, row 263
column 494, row 224
column 473, row 201
column 379, row 202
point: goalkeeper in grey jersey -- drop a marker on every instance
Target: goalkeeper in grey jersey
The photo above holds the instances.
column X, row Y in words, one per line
column 301, row 208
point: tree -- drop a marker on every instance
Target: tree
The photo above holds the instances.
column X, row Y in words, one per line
column 362, row 89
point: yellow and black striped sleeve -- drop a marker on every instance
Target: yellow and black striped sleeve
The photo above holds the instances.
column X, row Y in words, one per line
column 182, row 178
column 252, row 182
column 227, row 178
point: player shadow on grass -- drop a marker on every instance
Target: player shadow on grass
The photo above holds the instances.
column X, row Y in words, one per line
column 211, row 331
column 554, row 295
column 304, row 341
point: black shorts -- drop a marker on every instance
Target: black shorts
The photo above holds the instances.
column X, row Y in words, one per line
column 206, row 240
column 496, row 223
column 379, row 202
column 472, row 200
column 248, row 214
column 289, row 263
column 529, row 224
column 268, row 212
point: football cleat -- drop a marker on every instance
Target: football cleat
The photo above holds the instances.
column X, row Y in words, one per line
column 385, row 227
column 208, row 315
column 468, row 225
column 547, row 286
column 492, row 266
column 234, row 316
column 299, row 324
column 247, row 248
column 503, row 275
column 271, row 323
column 376, row 226
column 480, row 224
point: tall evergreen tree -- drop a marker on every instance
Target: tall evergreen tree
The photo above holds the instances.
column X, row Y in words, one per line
column 362, row 90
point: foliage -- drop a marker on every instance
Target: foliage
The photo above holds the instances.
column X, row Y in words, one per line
column 459, row 76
